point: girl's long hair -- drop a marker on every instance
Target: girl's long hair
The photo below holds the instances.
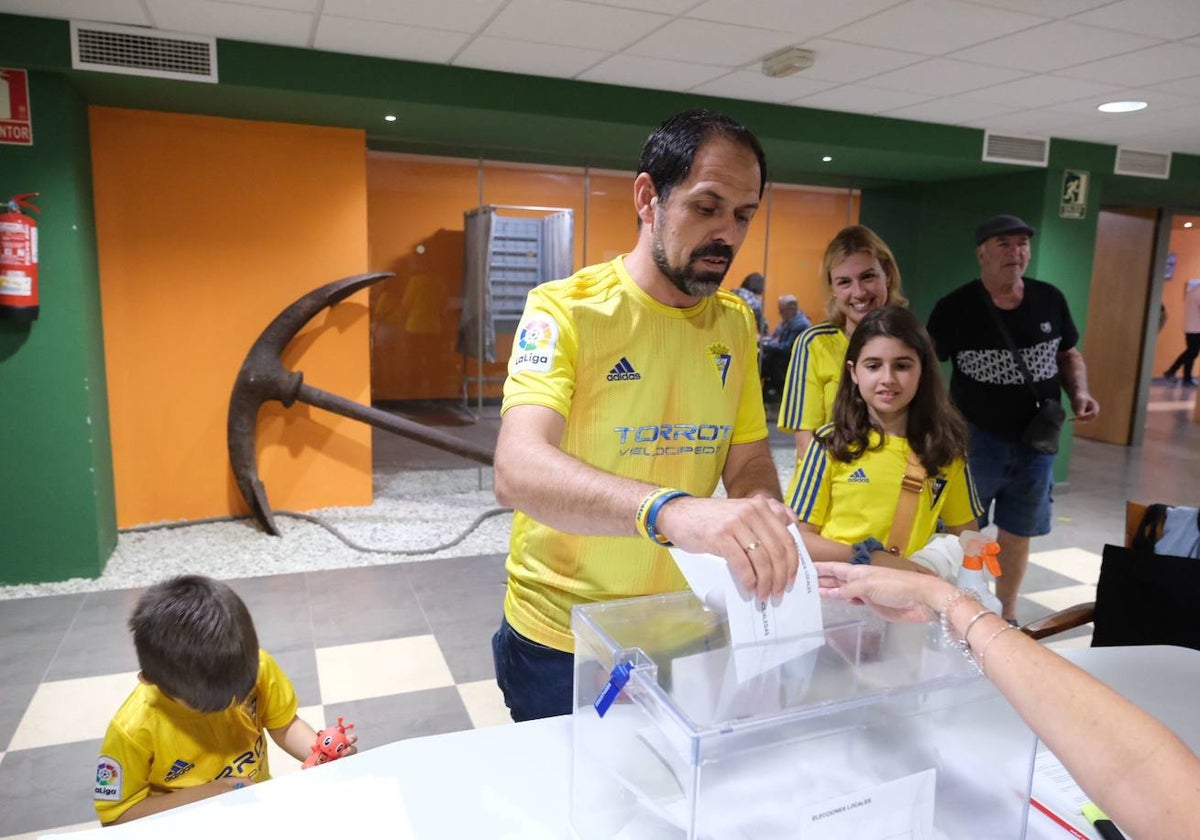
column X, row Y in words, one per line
column 935, row 430
column 857, row 239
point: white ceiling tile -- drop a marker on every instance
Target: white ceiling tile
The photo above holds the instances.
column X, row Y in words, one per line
column 666, row 7
column 1049, row 8
column 837, row 61
column 858, row 99
column 1171, row 19
column 935, row 27
column 573, row 24
column 702, row 42
column 1180, row 87
column 387, row 40
column 456, row 15
column 641, row 72
column 1039, row 91
column 1054, row 45
column 231, row 20
column 516, row 57
column 953, row 110
column 752, row 85
column 309, row 6
column 1158, row 102
column 127, row 12
column 1032, row 123
column 943, row 77
column 805, row 18
column 1144, row 67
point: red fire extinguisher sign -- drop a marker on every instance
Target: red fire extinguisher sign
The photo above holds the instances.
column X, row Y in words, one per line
column 16, row 122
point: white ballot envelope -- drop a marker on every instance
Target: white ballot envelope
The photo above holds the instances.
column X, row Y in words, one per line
column 764, row 634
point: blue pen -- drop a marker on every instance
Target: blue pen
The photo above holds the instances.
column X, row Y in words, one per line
column 1100, row 821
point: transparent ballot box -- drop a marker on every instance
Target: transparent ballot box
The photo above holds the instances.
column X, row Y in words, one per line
column 865, row 730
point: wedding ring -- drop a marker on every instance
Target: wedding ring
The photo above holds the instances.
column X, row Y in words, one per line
column 752, row 546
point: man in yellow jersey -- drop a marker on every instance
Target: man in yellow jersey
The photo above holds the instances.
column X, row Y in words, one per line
column 632, row 389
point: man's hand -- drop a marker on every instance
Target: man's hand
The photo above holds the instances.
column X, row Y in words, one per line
column 751, row 534
column 1085, row 407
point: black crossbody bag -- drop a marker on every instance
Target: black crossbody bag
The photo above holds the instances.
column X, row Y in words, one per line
column 1043, row 430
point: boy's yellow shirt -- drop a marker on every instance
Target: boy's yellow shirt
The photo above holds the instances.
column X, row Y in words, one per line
column 156, row 745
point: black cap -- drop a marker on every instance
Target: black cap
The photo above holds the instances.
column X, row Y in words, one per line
column 1000, row 225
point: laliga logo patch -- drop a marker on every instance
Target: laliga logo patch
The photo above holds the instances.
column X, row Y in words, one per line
column 721, row 358
column 108, row 779
column 534, row 346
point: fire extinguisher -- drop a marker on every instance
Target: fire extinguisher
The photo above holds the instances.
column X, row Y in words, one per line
column 19, row 260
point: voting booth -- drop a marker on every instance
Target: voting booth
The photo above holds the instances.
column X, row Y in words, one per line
column 864, row 729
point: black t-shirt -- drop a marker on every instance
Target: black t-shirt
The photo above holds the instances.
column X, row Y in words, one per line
column 987, row 385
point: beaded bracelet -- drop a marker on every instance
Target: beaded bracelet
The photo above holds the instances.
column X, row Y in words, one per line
column 983, row 648
column 944, row 619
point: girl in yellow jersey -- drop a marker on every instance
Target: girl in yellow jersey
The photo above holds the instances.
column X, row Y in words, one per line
column 891, row 401
column 861, row 275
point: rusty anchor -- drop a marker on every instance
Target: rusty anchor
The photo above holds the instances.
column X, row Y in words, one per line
column 263, row 378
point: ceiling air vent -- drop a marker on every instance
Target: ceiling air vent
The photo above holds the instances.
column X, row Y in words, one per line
column 1142, row 164
column 1006, row 148
column 107, row 48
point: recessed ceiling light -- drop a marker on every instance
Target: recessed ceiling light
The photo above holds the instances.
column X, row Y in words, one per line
column 1187, row 224
column 826, row 159
column 390, row 118
column 1122, row 107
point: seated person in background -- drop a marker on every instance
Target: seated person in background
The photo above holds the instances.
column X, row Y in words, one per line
column 860, row 274
column 751, row 291
column 1127, row 762
column 891, row 421
column 777, row 349
column 193, row 727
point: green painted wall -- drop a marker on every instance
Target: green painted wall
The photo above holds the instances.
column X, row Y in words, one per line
column 56, row 492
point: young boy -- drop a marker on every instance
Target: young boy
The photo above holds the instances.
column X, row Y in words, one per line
column 194, row 725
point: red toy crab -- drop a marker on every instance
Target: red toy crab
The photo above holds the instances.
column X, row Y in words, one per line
column 332, row 742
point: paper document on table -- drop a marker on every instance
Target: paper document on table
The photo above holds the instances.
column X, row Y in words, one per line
column 763, row 634
column 1057, row 791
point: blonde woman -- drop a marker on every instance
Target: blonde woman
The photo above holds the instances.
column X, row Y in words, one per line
column 861, row 275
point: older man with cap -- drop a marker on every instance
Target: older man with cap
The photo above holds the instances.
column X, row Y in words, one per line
column 1011, row 342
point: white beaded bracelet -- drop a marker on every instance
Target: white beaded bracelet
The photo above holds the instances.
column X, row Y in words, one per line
column 944, row 619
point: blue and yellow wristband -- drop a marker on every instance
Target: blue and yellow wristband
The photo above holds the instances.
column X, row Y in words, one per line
column 647, row 513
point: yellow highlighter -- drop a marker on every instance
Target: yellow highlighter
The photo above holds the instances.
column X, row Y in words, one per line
column 1100, row 821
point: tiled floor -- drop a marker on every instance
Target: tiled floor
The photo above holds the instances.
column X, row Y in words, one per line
column 403, row 650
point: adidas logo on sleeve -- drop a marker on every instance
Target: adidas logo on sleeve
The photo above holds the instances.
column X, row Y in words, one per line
column 622, row 370
column 859, row 476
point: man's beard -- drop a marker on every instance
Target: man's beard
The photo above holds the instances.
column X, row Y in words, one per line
column 686, row 278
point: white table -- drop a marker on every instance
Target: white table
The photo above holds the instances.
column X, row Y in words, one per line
column 512, row 781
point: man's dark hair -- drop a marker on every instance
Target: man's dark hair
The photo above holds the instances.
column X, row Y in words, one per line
column 195, row 640
column 670, row 149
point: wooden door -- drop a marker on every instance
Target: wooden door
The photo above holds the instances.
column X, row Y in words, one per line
column 1116, row 321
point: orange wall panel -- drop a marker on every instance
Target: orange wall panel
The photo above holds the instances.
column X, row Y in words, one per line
column 802, row 223
column 207, row 228
column 415, row 227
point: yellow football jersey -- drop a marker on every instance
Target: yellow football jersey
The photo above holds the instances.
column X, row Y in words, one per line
column 813, row 375
column 852, row 501
column 156, row 744
column 648, row 392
